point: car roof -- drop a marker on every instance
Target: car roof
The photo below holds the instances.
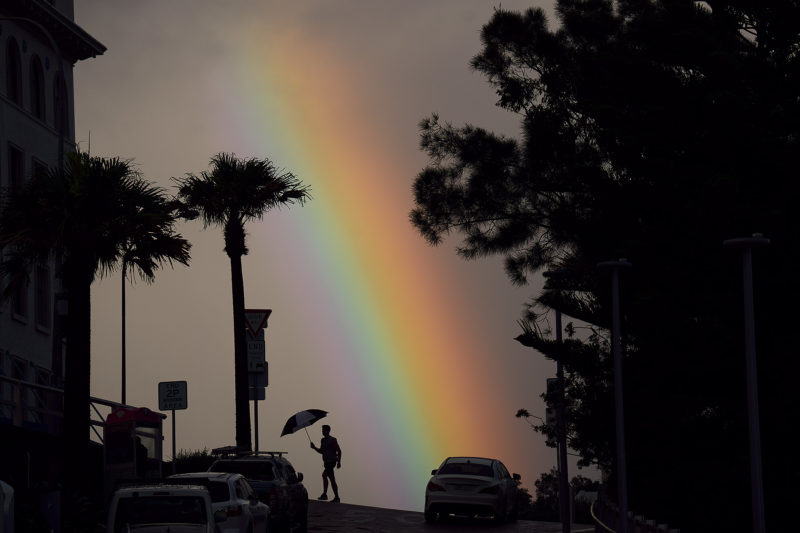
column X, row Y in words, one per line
column 209, row 475
column 161, row 489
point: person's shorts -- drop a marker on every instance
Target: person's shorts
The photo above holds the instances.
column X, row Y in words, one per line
column 329, row 466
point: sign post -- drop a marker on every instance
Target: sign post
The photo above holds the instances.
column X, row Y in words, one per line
column 172, row 395
column 256, row 321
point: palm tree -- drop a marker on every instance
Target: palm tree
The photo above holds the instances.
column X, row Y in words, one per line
column 233, row 192
column 84, row 213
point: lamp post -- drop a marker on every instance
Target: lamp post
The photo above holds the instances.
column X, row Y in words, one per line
column 746, row 246
column 616, row 349
column 564, row 500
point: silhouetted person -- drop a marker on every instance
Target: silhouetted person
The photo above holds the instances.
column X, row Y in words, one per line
column 331, row 456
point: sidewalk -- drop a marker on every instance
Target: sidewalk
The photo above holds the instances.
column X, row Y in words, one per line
column 326, row 517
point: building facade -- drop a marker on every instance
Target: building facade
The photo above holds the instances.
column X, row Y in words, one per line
column 39, row 46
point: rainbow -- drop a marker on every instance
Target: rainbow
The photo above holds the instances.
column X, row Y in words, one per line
column 390, row 338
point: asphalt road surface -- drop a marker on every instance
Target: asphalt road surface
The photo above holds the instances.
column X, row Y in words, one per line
column 343, row 517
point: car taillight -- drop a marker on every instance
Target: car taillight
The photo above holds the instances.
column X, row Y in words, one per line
column 235, row 510
column 433, row 487
column 494, row 489
column 273, row 497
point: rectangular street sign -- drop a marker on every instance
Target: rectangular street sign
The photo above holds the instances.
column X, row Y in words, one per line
column 257, row 393
column 256, row 351
column 260, row 377
column 172, row 395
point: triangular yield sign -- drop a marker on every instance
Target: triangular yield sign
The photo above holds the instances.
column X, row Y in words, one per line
column 256, row 320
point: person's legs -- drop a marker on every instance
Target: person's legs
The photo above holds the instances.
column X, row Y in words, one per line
column 324, row 495
column 334, row 486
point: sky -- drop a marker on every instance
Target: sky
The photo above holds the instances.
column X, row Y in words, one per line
column 409, row 348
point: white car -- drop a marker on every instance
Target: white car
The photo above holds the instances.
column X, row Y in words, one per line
column 472, row 486
column 157, row 508
column 230, row 493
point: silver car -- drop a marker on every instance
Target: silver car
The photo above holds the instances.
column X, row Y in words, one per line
column 155, row 508
column 230, row 493
column 472, row 486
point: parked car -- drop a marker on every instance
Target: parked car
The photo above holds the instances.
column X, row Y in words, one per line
column 156, row 508
column 275, row 481
column 231, row 493
column 472, row 486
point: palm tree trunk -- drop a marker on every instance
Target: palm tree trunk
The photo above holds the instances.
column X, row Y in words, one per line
column 243, row 437
column 124, row 272
column 77, row 380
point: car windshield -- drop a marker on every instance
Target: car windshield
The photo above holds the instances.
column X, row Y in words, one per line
column 259, row 470
column 466, row 469
column 159, row 510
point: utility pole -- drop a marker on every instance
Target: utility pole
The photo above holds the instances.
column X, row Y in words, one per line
column 746, row 245
column 616, row 349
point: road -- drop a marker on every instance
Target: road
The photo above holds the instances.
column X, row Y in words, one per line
column 326, row 517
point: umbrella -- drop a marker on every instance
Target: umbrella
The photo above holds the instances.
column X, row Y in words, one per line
column 303, row 419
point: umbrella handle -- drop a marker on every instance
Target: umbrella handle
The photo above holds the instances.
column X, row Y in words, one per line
column 307, row 435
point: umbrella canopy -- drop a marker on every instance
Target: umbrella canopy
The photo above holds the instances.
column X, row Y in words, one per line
column 302, row 420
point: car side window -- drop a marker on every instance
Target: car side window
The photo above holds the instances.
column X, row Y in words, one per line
column 503, row 471
column 248, row 490
column 241, row 493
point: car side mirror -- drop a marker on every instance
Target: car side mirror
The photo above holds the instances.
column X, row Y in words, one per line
column 220, row 515
column 517, row 477
column 433, row 472
column 299, row 477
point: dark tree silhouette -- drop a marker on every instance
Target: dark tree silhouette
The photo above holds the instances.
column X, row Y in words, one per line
column 85, row 214
column 650, row 130
column 236, row 191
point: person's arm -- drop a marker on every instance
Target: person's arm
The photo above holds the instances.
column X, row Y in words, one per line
column 318, row 450
column 338, row 455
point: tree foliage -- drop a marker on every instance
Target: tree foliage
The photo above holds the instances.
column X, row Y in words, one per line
column 652, row 130
column 81, row 219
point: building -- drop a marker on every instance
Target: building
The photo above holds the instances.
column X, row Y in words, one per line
column 39, row 46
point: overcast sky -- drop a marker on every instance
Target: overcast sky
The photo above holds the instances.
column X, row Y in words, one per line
column 408, row 347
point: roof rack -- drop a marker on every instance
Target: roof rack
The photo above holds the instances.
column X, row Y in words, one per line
column 238, row 451
column 271, row 454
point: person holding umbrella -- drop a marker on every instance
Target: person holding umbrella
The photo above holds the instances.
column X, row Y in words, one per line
column 331, row 456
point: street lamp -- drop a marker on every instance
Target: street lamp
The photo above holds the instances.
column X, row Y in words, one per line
column 616, row 349
column 746, row 245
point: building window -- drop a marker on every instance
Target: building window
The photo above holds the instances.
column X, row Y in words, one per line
column 37, row 88
column 13, row 72
column 60, row 104
column 43, row 309
column 16, row 167
column 19, row 302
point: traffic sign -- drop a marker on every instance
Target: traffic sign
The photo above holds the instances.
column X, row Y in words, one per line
column 172, row 395
column 256, row 351
column 260, row 377
column 256, row 320
column 257, row 394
